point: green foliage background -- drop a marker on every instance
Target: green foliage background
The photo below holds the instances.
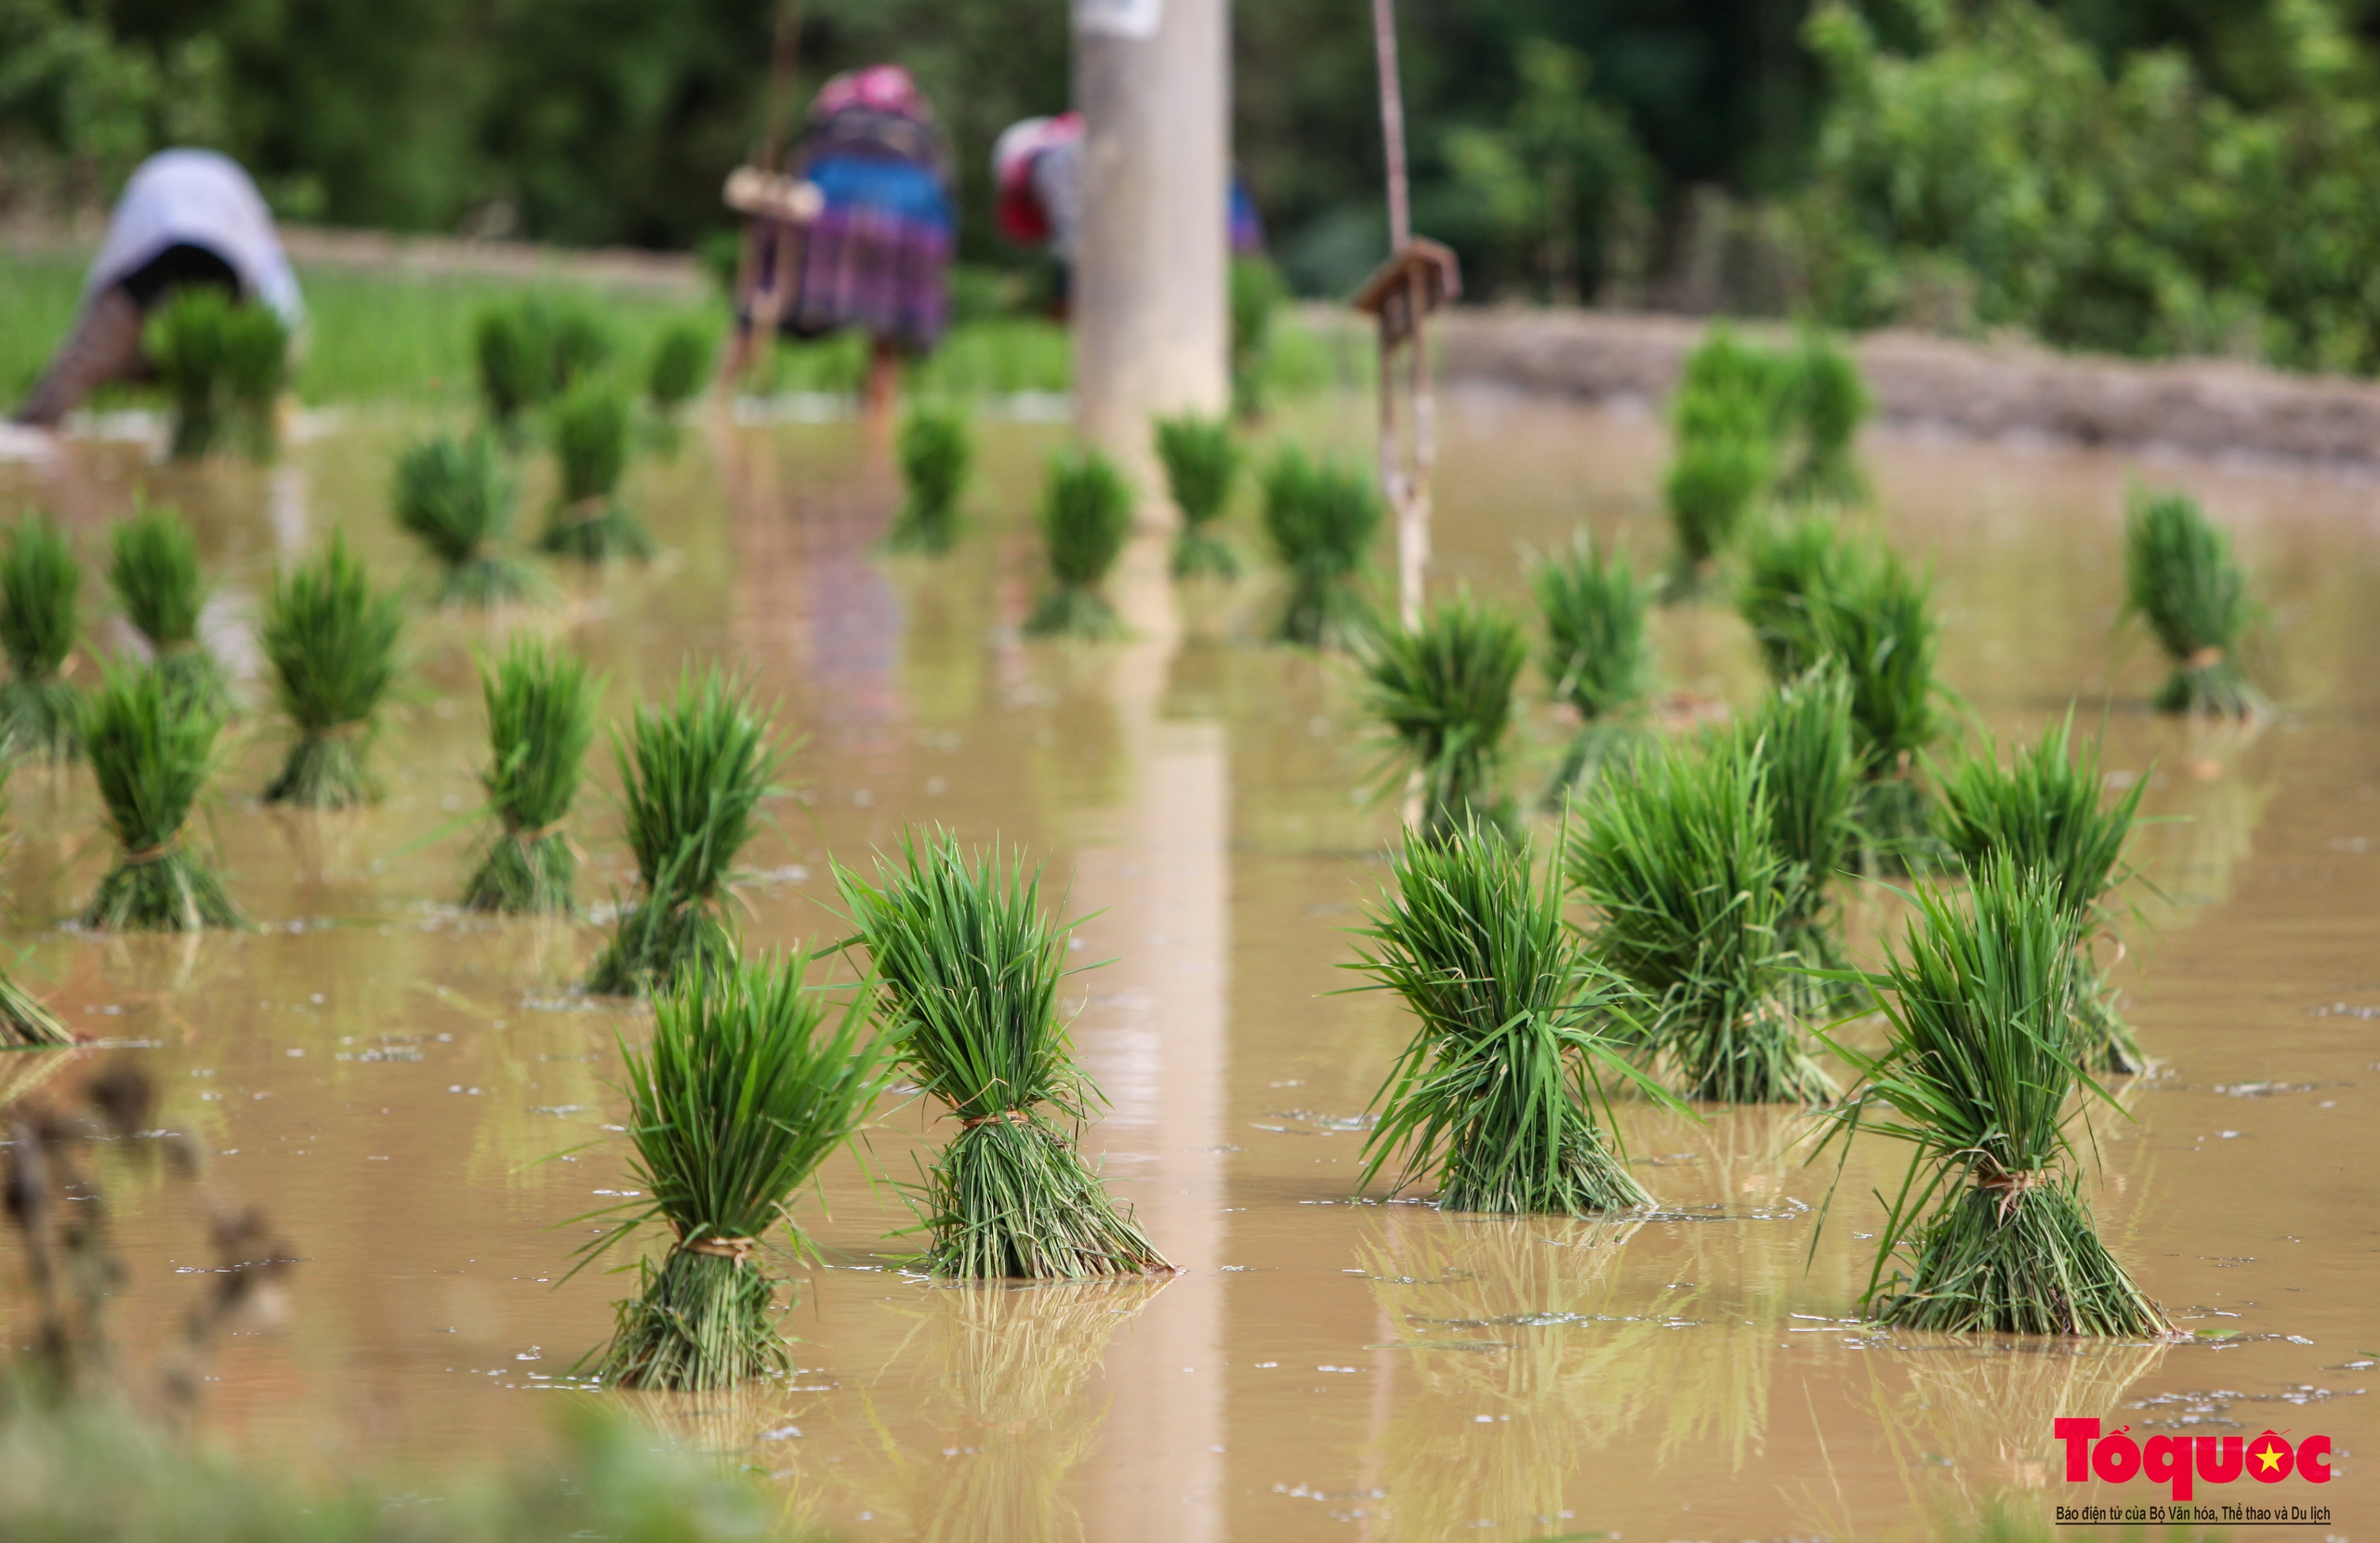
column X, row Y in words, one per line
column 2146, row 176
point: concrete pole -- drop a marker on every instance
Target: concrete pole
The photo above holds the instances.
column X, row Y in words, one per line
column 1152, row 314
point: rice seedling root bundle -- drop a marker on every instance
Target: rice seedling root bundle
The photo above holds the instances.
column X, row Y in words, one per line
column 332, row 638
column 935, row 451
column 25, row 1019
column 1444, row 693
column 1693, row 899
column 1978, row 1080
column 692, row 776
column 1494, row 1097
column 151, row 752
column 968, row 969
column 1594, row 654
column 1321, row 518
column 1201, row 463
column 590, row 427
column 541, row 719
column 2043, row 813
column 749, row 1083
column 456, row 498
column 1086, row 514
column 153, row 569
column 2182, row 581
column 224, row 363
column 40, row 603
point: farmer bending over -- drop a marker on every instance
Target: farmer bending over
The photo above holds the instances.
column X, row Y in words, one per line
column 188, row 217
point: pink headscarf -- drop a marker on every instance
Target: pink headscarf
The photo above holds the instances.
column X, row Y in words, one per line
column 886, row 87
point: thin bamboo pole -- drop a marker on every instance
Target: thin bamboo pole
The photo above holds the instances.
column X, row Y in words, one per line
column 1407, row 494
column 771, row 241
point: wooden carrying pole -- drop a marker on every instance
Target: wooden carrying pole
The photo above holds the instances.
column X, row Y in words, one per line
column 768, row 240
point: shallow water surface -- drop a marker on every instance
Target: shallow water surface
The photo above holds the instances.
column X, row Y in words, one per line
column 427, row 1112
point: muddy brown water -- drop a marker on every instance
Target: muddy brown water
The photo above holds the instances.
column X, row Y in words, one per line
column 385, row 1074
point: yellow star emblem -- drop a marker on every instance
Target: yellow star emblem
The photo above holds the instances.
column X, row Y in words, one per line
column 2271, row 1457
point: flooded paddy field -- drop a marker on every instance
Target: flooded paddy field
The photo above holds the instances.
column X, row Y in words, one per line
column 427, row 1112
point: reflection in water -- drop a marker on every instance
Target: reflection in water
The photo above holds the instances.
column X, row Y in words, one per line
column 1513, row 1344
column 2200, row 823
column 1008, row 1367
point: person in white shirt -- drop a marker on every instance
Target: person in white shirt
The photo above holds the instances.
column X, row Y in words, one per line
column 187, row 217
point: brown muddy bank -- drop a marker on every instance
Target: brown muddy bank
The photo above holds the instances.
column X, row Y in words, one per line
column 1987, row 390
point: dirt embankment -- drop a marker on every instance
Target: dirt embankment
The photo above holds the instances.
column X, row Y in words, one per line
column 1986, row 390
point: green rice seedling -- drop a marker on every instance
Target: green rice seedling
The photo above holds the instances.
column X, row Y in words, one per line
column 223, row 365
column 1876, row 618
column 1444, row 692
column 1494, row 1097
column 540, row 722
column 680, row 367
column 1322, row 518
column 1712, row 486
column 1693, row 899
column 1731, row 386
column 935, row 451
column 1801, row 740
column 152, row 567
column 1978, row 1078
column 1826, row 401
column 512, row 346
column 24, row 1018
column 750, row 1082
column 590, row 437
column 692, row 776
column 151, row 751
column 1257, row 293
column 967, row 968
column 2181, row 580
column 1790, row 564
column 332, row 638
column 1086, row 514
column 456, row 498
column 580, row 346
column 1595, row 654
column 2044, row 812
column 1201, row 462
column 41, row 588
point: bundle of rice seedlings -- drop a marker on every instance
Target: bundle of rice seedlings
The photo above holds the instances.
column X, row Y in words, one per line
column 456, row 498
column 1977, row 1080
column 590, row 436
column 24, row 1018
column 1827, row 401
column 680, row 366
column 1711, row 489
column 748, row 1085
column 513, row 349
column 1875, row 617
column 1201, row 462
column 1321, row 518
column 935, row 449
column 1801, row 740
column 1595, row 653
column 1444, row 692
column 692, row 776
column 41, row 586
column 2043, row 814
column 223, row 365
column 2181, row 579
column 1790, row 564
column 1257, row 293
column 1693, row 898
column 151, row 750
column 578, row 347
column 969, row 968
column 1086, row 514
column 540, row 721
column 332, row 638
column 153, row 569
column 1494, row 1097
